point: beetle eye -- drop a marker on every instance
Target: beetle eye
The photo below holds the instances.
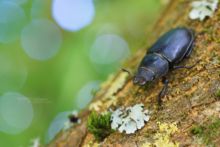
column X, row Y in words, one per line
column 139, row 80
column 142, row 81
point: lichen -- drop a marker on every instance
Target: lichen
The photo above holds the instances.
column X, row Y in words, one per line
column 117, row 84
column 103, row 103
column 168, row 128
column 92, row 144
column 202, row 9
column 99, row 125
column 163, row 136
column 207, row 132
column 95, row 106
column 110, row 101
column 129, row 119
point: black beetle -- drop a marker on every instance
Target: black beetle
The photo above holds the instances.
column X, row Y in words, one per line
column 170, row 49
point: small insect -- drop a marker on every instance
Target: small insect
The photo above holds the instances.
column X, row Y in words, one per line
column 169, row 50
column 73, row 118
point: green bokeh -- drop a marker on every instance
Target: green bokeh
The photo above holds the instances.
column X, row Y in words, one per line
column 52, row 85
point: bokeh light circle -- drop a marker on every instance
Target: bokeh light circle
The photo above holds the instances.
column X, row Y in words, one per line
column 108, row 49
column 16, row 113
column 16, row 1
column 73, row 15
column 13, row 73
column 41, row 39
column 85, row 94
column 12, row 19
column 39, row 8
column 57, row 125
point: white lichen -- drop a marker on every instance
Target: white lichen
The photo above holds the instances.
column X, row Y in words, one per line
column 116, row 118
column 129, row 119
column 202, row 9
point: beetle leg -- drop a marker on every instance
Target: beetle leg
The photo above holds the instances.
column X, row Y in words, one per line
column 184, row 66
column 163, row 91
column 127, row 71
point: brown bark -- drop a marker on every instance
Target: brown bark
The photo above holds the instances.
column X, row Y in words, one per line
column 191, row 96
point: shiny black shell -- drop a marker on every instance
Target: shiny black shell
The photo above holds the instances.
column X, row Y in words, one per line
column 155, row 63
column 174, row 45
column 170, row 49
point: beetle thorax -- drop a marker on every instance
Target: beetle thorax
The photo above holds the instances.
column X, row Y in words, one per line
column 143, row 76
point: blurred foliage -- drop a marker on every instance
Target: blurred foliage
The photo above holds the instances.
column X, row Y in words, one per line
column 53, row 84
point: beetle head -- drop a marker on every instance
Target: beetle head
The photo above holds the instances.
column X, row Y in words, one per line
column 143, row 76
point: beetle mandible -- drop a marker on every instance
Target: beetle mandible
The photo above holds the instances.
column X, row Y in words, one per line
column 170, row 49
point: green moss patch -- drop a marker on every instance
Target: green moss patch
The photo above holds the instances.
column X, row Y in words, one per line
column 99, row 125
column 218, row 93
column 208, row 132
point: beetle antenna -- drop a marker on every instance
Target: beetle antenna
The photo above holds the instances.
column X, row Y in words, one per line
column 127, row 71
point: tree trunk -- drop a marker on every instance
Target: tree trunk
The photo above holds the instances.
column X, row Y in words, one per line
column 190, row 102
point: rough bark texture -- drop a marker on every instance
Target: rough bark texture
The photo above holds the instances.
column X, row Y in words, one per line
column 190, row 101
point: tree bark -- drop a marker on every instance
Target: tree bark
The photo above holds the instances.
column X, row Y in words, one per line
column 190, row 100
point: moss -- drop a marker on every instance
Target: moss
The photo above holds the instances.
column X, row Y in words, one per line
column 197, row 130
column 217, row 93
column 99, row 125
column 207, row 132
column 214, row 128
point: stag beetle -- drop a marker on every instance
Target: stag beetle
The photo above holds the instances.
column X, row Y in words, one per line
column 170, row 49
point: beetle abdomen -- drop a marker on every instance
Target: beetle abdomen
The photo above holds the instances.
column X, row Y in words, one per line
column 156, row 64
column 174, row 44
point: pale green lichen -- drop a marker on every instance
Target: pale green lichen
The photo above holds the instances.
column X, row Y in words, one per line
column 163, row 136
column 96, row 106
column 92, row 143
column 109, row 98
column 117, row 84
